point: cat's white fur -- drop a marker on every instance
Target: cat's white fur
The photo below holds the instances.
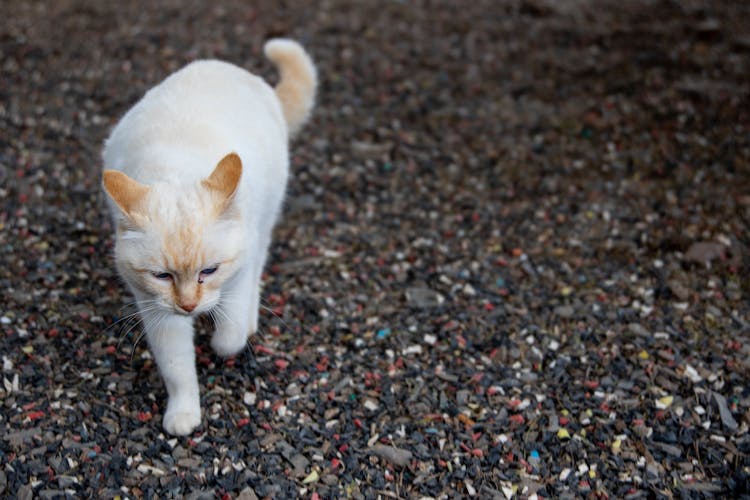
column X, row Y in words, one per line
column 195, row 173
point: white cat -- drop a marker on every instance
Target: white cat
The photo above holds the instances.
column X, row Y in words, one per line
column 196, row 173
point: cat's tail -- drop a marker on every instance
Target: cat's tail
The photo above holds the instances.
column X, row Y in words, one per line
column 299, row 80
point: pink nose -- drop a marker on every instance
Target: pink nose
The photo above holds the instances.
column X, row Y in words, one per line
column 188, row 307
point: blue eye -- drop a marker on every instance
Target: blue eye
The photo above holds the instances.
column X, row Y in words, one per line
column 209, row 270
column 162, row 276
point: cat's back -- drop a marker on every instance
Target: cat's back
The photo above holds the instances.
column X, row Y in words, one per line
column 206, row 80
column 203, row 110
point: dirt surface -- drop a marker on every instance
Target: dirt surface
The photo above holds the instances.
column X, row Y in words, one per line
column 513, row 261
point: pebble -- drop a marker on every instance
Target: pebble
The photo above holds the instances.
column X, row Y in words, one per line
column 247, row 494
column 562, row 433
column 423, row 298
column 664, row 402
column 565, row 311
column 638, row 329
column 726, row 416
column 678, row 289
column 312, row 477
column 397, row 456
column 704, row 252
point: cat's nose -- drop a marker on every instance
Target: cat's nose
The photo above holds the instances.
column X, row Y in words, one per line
column 189, row 307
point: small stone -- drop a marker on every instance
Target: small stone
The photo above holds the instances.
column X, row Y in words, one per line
column 703, row 252
column 726, row 416
column 247, row 494
column 664, row 403
column 50, row 494
column 565, row 473
column 692, row 374
column 249, row 398
column 64, row 481
column 179, row 452
column 311, row 478
column 330, row 479
column 669, row 449
column 25, row 492
column 638, row 329
column 678, row 289
column 565, row 311
column 423, row 298
column 370, row 150
column 397, row 456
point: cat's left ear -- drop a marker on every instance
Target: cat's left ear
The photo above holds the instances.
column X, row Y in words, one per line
column 224, row 180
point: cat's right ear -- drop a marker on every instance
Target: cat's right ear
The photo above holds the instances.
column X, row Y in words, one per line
column 224, row 180
column 124, row 191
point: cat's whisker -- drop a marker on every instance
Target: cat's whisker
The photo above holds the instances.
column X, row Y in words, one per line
column 124, row 318
column 152, row 323
column 135, row 345
column 133, row 320
column 139, row 311
column 133, row 325
column 265, row 308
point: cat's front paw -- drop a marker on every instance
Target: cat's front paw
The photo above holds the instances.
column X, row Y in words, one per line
column 181, row 423
column 228, row 342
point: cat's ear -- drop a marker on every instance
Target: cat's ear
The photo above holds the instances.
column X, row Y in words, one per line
column 224, row 180
column 124, row 191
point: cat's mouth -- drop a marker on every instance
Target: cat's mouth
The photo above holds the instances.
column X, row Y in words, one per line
column 180, row 310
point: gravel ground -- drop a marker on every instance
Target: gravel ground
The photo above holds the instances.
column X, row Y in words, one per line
column 513, row 261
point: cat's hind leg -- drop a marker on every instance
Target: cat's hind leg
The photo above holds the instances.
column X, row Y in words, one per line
column 170, row 338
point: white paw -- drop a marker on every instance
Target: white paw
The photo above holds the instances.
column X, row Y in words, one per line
column 227, row 344
column 181, row 423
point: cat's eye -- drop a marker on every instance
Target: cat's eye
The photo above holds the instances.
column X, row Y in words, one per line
column 209, row 270
column 162, row 276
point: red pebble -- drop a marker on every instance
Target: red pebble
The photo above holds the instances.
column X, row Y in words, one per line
column 516, row 419
column 260, row 348
column 34, row 415
column 281, row 364
column 243, row 422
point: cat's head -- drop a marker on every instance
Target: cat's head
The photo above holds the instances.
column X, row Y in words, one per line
column 177, row 244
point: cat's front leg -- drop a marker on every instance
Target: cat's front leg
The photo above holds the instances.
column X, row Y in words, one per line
column 237, row 315
column 170, row 338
